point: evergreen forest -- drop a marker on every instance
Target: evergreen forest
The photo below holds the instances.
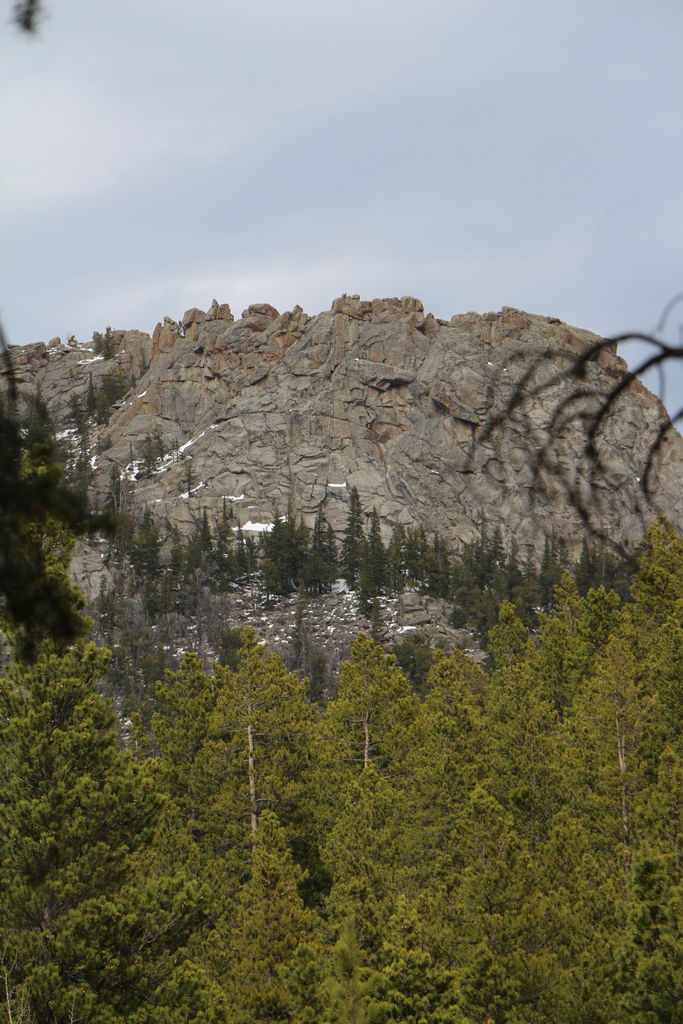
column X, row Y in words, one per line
column 165, row 585
column 502, row 848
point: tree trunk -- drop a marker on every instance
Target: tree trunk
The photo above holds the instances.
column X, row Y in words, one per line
column 621, row 754
column 252, row 779
column 366, row 740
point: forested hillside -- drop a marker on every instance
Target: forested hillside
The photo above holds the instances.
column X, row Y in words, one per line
column 308, row 595
column 504, row 847
column 316, row 475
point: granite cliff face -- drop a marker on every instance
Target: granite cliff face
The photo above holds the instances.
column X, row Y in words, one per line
column 273, row 410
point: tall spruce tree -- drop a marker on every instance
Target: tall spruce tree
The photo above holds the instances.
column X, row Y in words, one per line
column 352, row 543
column 372, row 574
column 321, row 564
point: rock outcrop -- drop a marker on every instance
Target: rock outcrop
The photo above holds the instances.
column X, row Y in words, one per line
column 275, row 411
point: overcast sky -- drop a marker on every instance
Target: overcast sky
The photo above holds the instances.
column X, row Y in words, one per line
column 474, row 153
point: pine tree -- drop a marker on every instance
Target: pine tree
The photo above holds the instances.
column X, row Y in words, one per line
column 321, row 565
column 362, row 854
column 525, row 749
column 258, row 754
column 351, row 989
column 662, row 811
column 498, row 917
column 611, row 738
column 448, row 754
column 658, row 585
column 584, row 913
column 563, row 655
column 187, row 699
column 269, row 923
column 77, row 916
column 352, row 543
column 373, row 709
column 90, row 399
column 600, row 617
column 414, row 986
column 652, row 958
column 509, row 639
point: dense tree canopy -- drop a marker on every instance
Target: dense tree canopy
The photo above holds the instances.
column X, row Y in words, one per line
column 503, row 846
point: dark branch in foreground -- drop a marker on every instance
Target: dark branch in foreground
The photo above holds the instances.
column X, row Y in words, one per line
column 27, row 14
column 40, row 516
column 584, row 409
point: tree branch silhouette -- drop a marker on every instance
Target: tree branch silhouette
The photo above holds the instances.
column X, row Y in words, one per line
column 27, row 14
column 584, row 411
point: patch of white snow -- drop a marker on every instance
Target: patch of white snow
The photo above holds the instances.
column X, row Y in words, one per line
column 184, row 447
column 250, row 527
column 186, row 494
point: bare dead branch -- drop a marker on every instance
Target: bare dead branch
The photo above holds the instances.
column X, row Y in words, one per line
column 584, row 401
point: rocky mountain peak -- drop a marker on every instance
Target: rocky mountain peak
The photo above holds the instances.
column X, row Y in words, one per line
column 282, row 410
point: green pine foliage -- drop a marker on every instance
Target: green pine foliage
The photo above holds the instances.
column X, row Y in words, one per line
column 39, row 517
column 271, row 922
column 168, row 575
column 112, row 387
column 503, row 846
column 104, row 343
column 351, row 989
column 78, row 908
column 352, row 543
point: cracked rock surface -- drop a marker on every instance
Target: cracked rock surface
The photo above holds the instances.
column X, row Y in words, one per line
column 274, row 411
